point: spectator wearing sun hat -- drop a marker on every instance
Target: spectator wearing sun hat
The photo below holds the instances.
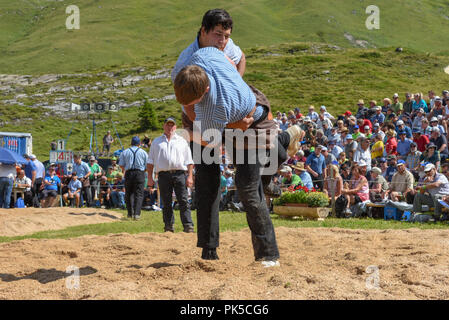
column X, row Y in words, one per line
column 303, row 174
column 362, row 110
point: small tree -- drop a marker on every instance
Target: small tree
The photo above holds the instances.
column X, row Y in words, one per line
column 148, row 117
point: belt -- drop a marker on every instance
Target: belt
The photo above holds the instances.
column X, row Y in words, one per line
column 172, row 171
column 135, row 170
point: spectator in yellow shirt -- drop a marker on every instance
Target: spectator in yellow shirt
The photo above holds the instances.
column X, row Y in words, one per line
column 377, row 149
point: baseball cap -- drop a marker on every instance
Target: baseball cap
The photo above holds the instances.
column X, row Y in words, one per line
column 401, row 162
column 323, row 149
column 170, row 119
column 32, row 156
column 400, row 122
column 356, row 127
column 382, row 160
column 391, row 157
column 92, row 158
column 114, row 158
column 320, row 147
column 366, row 127
column 395, row 95
column 402, row 132
column 429, row 167
column 323, row 108
column 349, row 137
column 434, row 119
column 376, row 125
column 362, row 163
column 438, row 98
column 347, row 113
column 413, row 144
column 431, row 145
column 416, row 130
column 421, row 110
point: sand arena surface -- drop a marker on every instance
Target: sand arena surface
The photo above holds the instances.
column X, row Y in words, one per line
column 17, row 222
column 316, row 263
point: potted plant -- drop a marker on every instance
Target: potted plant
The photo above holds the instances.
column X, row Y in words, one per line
column 300, row 201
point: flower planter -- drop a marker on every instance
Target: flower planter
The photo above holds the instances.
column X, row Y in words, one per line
column 301, row 210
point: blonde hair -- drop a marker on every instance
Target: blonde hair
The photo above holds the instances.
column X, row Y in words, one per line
column 335, row 170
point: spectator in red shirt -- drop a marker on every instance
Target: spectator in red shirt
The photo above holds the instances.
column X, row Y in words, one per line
column 392, row 143
column 421, row 140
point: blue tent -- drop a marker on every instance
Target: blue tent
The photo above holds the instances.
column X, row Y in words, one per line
column 10, row 157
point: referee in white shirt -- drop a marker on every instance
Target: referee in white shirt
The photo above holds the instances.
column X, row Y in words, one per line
column 133, row 160
column 170, row 158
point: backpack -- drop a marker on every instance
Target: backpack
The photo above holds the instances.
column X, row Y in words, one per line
column 19, row 203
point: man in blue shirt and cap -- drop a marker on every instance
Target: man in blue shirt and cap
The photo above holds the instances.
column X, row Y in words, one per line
column 134, row 162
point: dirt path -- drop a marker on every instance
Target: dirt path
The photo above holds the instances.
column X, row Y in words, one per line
column 15, row 222
column 315, row 264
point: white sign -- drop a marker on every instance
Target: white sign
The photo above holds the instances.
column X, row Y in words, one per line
column 61, row 145
column 75, row 107
column 61, row 156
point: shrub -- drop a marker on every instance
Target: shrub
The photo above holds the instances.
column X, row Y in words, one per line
column 312, row 199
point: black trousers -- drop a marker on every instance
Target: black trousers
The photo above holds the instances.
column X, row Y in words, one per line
column 134, row 186
column 169, row 181
column 207, row 199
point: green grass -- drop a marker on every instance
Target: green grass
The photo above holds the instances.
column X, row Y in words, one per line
column 34, row 38
column 229, row 221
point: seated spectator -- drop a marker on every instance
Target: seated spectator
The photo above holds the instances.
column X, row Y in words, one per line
column 327, row 130
column 320, row 137
column 421, row 140
column 408, row 103
column 402, row 127
column 333, row 184
column 440, row 142
column 377, row 130
column 436, row 187
column 350, row 147
column 328, row 157
column 396, row 106
column 362, row 110
column 417, row 121
column 50, row 189
column 105, row 192
column 391, row 170
column 413, row 160
column 378, row 117
column 392, row 143
column 431, row 155
column 401, row 184
column 377, row 150
column 378, row 186
column 333, row 148
column 110, row 175
column 434, row 123
column 356, row 132
column 403, row 145
column 310, row 135
column 383, row 165
column 289, row 179
column 306, row 179
column 418, row 103
column 118, row 192
column 73, row 191
column 326, row 114
column 386, row 105
column 358, row 190
column 342, row 158
column 312, row 114
column 345, row 172
column 22, row 181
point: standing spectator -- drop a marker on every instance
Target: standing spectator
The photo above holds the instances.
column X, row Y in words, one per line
column 83, row 172
column 30, row 169
column 73, row 191
column 170, row 158
column 315, row 165
column 396, row 105
column 7, row 174
column 107, row 142
column 94, row 178
column 23, row 181
column 40, row 174
column 133, row 161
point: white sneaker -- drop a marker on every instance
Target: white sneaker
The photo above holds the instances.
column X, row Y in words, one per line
column 271, row 263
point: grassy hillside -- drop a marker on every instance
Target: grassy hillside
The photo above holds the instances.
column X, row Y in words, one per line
column 294, row 74
column 113, row 32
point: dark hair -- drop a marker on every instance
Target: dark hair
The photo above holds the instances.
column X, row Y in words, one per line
column 215, row 17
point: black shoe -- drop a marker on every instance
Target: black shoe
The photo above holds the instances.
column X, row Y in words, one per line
column 209, row 254
column 189, row 229
column 169, row 229
column 272, row 190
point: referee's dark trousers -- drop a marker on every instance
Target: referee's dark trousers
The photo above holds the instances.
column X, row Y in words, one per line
column 134, row 186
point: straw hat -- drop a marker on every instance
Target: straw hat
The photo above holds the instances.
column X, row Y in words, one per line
column 299, row 166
